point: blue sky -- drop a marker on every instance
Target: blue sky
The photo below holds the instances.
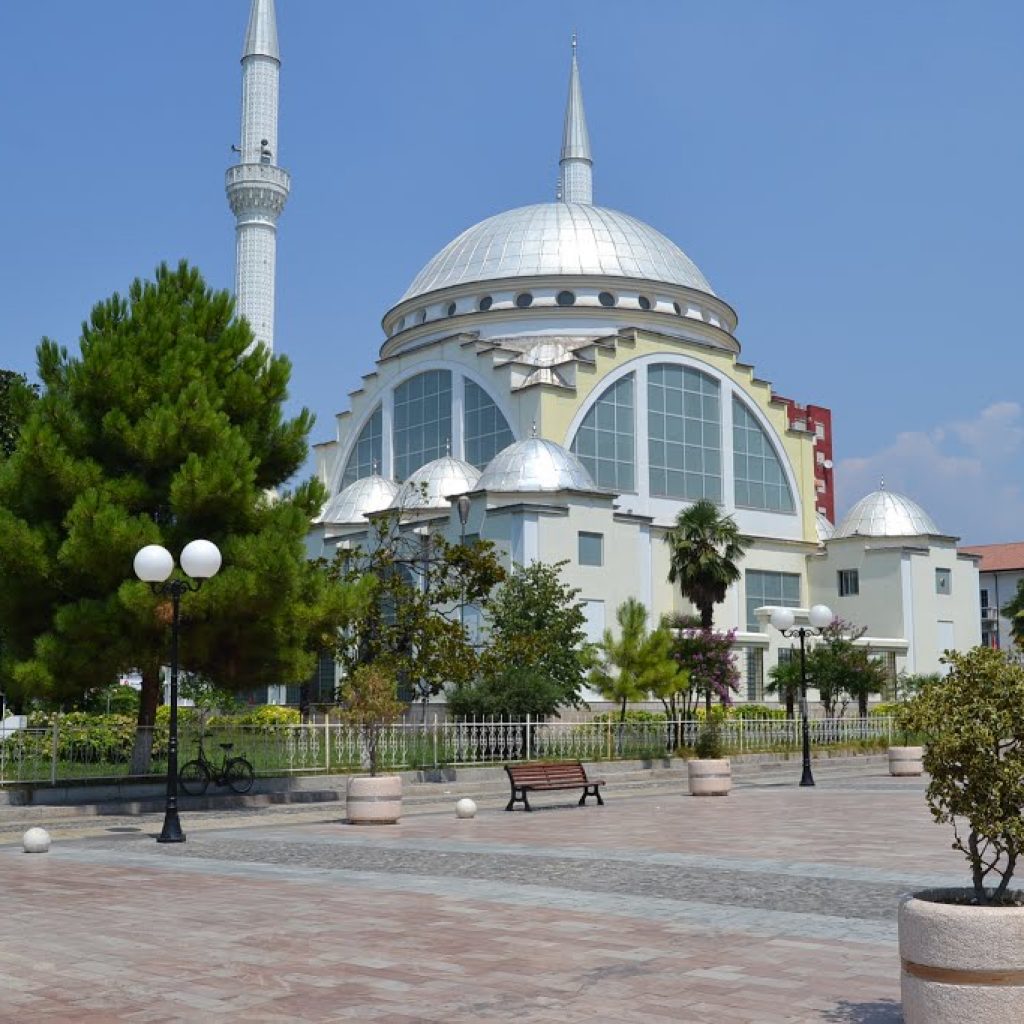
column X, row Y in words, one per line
column 848, row 176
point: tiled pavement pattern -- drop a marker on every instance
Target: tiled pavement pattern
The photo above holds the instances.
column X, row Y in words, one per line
column 773, row 905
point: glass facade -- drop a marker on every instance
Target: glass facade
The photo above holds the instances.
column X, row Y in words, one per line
column 760, row 481
column 684, row 433
column 368, row 452
column 605, row 440
column 486, row 431
column 781, row 589
column 423, row 420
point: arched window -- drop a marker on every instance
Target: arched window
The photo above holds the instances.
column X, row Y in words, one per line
column 605, row 440
column 423, row 420
column 367, row 451
column 684, row 428
column 760, row 480
column 486, row 430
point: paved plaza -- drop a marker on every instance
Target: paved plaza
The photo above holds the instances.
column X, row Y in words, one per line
column 776, row 904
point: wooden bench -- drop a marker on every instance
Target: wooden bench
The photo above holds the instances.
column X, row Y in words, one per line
column 543, row 775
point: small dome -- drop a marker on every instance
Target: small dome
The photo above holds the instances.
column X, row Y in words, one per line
column 884, row 513
column 825, row 527
column 352, row 503
column 563, row 239
column 443, row 478
column 535, row 465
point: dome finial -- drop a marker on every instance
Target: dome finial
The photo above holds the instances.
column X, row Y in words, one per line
column 448, row 446
column 576, row 170
column 881, row 484
column 533, row 429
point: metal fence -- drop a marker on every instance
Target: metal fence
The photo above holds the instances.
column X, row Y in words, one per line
column 63, row 754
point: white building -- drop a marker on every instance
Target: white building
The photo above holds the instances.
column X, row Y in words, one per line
column 1001, row 569
column 572, row 371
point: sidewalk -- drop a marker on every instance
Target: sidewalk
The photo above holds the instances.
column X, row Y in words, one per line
column 776, row 904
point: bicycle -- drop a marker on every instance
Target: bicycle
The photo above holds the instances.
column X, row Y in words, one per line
column 234, row 772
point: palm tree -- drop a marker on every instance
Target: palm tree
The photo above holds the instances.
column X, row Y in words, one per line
column 704, row 547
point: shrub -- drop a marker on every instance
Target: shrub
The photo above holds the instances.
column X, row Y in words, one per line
column 371, row 704
column 709, row 742
column 631, row 716
column 973, row 724
column 756, row 712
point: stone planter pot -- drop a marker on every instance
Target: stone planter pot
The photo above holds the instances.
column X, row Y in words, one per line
column 960, row 963
column 374, row 799
column 906, row 761
column 709, row 777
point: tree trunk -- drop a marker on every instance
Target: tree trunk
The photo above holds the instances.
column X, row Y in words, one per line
column 862, row 704
column 706, row 616
column 622, row 711
column 790, row 702
column 142, row 749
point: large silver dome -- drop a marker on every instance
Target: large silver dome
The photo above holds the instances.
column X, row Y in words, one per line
column 351, row 505
column 535, row 465
column 434, row 483
column 884, row 513
column 559, row 238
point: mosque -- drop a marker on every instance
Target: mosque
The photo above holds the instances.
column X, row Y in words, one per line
column 571, row 371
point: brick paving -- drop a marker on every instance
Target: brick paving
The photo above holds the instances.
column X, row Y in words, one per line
column 774, row 905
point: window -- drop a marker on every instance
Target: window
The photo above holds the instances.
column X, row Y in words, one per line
column 849, row 582
column 677, row 308
column 524, row 299
column 591, row 548
column 778, row 589
column 366, row 453
column 943, row 581
column 984, row 598
column 760, row 480
column 683, row 433
column 485, row 303
column 566, row 299
column 645, row 303
column 486, row 430
column 451, row 309
column 421, row 316
column 423, row 420
column 605, row 440
column 606, row 298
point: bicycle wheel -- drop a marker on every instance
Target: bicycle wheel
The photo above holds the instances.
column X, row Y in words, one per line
column 194, row 778
column 239, row 775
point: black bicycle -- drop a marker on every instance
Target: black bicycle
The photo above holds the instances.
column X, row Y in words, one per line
column 234, row 772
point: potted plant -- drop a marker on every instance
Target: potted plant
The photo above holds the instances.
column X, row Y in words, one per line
column 709, row 774
column 963, row 949
column 908, row 760
column 370, row 705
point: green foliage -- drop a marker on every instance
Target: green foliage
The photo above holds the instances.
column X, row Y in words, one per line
column 708, row 658
column 1014, row 611
column 263, row 717
column 16, row 398
column 705, row 548
column 973, row 724
column 370, row 704
column 709, row 742
column 112, row 700
column 842, row 671
column 536, row 623
column 784, row 680
column 637, row 662
column 516, row 692
column 755, row 712
column 167, row 426
column 413, row 618
column 635, row 715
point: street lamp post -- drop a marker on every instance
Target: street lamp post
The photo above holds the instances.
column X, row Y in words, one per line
column 464, row 505
column 200, row 560
column 819, row 617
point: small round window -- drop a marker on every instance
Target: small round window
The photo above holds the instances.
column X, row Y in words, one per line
column 677, row 308
column 485, row 304
column 645, row 303
column 451, row 309
column 606, row 299
column 566, row 298
column 524, row 299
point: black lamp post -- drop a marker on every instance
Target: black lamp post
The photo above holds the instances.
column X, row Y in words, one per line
column 464, row 505
column 153, row 565
column 783, row 619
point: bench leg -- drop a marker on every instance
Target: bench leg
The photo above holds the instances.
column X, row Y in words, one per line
column 583, row 799
column 597, row 793
column 518, row 797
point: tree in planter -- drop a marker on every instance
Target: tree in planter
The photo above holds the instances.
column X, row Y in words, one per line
column 705, row 548
column 414, row 620
column 636, row 663
column 371, row 704
column 166, row 427
column 973, row 724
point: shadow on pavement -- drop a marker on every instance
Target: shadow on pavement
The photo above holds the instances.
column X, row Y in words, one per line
column 883, row 1011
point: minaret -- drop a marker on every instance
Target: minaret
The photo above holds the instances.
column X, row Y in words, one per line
column 257, row 188
column 576, row 168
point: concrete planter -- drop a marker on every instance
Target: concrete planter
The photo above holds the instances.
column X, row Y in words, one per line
column 374, row 799
column 906, row 761
column 709, row 777
column 960, row 963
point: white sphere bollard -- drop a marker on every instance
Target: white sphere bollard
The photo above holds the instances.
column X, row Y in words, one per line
column 465, row 808
column 36, row 840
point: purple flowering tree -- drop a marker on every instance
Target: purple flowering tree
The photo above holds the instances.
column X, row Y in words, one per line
column 707, row 655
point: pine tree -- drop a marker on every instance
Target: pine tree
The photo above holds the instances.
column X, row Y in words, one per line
column 16, row 397
column 167, row 427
